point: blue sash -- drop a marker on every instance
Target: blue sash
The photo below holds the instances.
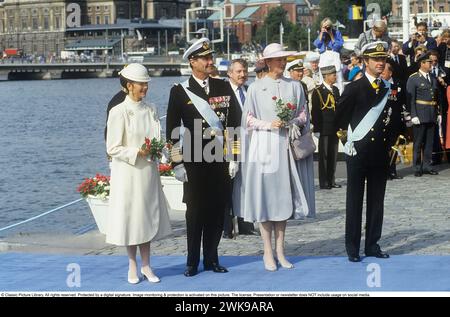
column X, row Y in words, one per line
column 366, row 124
column 204, row 108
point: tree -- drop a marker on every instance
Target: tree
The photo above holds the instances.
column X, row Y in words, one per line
column 385, row 5
column 271, row 27
column 270, row 32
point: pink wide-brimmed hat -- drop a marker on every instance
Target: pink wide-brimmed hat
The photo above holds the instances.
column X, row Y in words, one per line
column 276, row 50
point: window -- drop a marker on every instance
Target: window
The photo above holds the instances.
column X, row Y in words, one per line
column 57, row 22
column 89, row 20
column 24, row 24
column 89, row 8
column 97, row 8
column 106, row 18
column 106, row 8
column 441, row 8
column 97, row 19
column 46, row 23
column 34, row 23
column 306, row 11
column 299, row 10
column 420, row 10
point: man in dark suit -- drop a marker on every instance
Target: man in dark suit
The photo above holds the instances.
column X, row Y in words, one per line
column 365, row 110
column 322, row 117
column 238, row 76
column 118, row 98
column 204, row 107
column 399, row 65
column 398, row 99
column 423, row 96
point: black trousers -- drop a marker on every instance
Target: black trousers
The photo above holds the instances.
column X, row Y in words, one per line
column 203, row 224
column 328, row 150
column 358, row 171
column 423, row 140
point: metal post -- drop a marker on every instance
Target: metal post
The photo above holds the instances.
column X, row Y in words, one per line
column 167, row 45
column 228, row 41
column 281, row 34
column 405, row 15
column 121, row 45
column 309, row 39
column 159, row 43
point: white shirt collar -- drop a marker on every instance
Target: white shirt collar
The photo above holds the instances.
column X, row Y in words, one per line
column 423, row 73
column 233, row 86
column 330, row 88
column 370, row 78
column 200, row 82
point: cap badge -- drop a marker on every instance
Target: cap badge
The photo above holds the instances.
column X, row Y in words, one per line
column 205, row 46
column 379, row 47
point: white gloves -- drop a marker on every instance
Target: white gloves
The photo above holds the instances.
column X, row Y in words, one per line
column 439, row 120
column 316, row 134
column 180, row 173
column 294, row 132
column 415, row 120
column 233, row 168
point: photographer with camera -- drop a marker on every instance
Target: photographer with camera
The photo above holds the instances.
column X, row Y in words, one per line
column 329, row 38
column 419, row 38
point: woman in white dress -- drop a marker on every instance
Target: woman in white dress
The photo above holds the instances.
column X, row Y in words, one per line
column 275, row 187
column 137, row 205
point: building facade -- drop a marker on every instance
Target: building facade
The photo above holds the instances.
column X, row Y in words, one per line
column 244, row 17
column 39, row 27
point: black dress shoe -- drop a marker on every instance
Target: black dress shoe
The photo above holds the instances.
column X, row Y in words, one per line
column 325, row 187
column 418, row 174
column 336, row 186
column 216, row 268
column 379, row 254
column 395, row 176
column 227, row 235
column 190, row 271
column 431, row 172
column 355, row 258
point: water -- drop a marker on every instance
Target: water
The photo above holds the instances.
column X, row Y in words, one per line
column 51, row 139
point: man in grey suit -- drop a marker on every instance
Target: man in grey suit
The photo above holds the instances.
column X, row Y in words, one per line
column 422, row 95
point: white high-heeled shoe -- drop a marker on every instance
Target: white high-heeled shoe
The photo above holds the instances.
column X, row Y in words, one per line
column 133, row 279
column 151, row 277
column 286, row 265
column 270, row 267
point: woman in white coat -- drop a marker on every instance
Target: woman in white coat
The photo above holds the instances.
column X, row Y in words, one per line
column 138, row 209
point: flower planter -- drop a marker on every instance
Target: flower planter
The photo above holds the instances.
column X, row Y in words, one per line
column 99, row 208
column 173, row 189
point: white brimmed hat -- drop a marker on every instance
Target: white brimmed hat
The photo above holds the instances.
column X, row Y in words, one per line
column 275, row 50
column 201, row 47
column 135, row 72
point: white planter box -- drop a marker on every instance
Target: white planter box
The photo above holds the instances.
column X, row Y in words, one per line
column 99, row 208
column 173, row 189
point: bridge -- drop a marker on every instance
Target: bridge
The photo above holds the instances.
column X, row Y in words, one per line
column 29, row 71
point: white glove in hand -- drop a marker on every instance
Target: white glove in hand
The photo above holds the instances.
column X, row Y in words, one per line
column 317, row 134
column 439, row 120
column 294, row 132
column 180, row 173
column 415, row 120
column 233, row 168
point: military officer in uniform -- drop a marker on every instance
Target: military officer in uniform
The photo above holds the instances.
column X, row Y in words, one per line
column 322, row 117
column 364, row 110
column 295, row 69
column 203, row 107
column 422, row 96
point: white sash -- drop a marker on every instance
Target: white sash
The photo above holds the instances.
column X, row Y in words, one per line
column 366, row 124
column 204, row 108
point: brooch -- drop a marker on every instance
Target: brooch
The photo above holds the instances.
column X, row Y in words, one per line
column 130, row 113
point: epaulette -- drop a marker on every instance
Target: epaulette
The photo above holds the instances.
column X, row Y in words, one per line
column 416, row 73
column 175, row 84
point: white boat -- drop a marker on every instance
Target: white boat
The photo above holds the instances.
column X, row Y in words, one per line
column 185, row 69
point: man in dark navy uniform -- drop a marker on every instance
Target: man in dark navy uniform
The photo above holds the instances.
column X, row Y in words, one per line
column 322, row 117
column 204, row 107
column 423, row 96
column 364, row 109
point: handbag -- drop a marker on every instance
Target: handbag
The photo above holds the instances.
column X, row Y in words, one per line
column 303, row 146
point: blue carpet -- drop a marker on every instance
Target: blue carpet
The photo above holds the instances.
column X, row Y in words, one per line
column 37, row 272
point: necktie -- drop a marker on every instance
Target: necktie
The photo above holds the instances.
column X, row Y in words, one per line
column 428, row 78
column 396, row 59
column 376, row 83
column 241, row 95
column 205, row 88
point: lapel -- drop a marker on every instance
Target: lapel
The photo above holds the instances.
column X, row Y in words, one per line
column 425, row 81
column 196, row 89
